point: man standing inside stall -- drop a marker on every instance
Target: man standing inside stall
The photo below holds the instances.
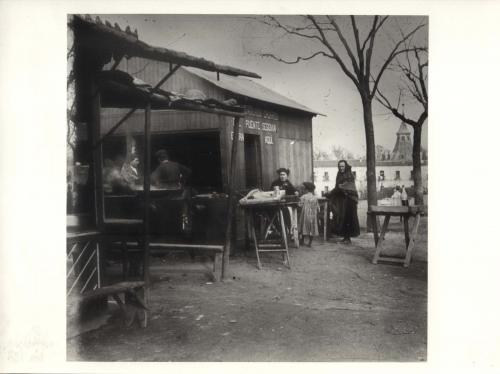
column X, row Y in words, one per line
column 169, row 175
column 172, row 177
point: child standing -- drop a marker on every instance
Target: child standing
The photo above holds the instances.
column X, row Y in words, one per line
column 308, row 221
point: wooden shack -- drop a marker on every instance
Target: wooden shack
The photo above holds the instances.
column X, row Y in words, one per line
column 99, row 85
column 275, row 132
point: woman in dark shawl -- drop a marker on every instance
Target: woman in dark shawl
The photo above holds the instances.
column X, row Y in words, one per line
column 344, row 202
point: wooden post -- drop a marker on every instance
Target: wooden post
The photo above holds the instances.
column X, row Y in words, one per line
column 147, row 187
column 95, row 125
column 230, row 203
column 95, row 131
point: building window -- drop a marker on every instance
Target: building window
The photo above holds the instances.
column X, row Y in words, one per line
column 326, row 177
column 381, row 177
column 354, row 173
column 398, row 175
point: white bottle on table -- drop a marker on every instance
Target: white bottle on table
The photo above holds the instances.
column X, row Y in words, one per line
column 404, row 197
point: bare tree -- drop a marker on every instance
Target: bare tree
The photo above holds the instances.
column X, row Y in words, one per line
column 342, row 153
column 381, row 151
column 320, row 154
column 413, row 69
column 355, row 58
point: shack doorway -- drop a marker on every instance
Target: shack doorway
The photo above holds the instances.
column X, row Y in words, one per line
column 253, row 167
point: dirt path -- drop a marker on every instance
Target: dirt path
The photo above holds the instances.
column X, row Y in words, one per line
column 334, row 305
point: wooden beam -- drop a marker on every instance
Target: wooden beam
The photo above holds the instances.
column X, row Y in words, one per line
column 118, row 124
column 230, row 203
column 132, row 111
column 169, row 74
column 116, row 63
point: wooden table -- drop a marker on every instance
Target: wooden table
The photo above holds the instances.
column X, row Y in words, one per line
column 399, row 211
column 272, row 221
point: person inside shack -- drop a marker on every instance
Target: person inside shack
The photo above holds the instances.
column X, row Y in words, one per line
column 283, row 183
column 169, row 175
column 129, row 171
column 344, row 202
column 172, row 177
column 113, row 181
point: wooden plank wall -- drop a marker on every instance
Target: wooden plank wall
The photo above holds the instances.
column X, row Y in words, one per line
column 161, row 121
column 296, row 156
column 291, row 148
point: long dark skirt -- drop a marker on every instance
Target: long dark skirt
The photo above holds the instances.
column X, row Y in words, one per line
column 345, row 217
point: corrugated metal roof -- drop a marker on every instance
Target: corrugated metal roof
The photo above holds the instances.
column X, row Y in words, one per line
column 95, row 33
column 249, row 88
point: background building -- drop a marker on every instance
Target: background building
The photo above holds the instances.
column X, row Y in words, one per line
column 393, row 169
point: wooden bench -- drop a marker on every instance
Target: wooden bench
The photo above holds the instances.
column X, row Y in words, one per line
column 132, row 306
column 162, row 247
column 216, row 250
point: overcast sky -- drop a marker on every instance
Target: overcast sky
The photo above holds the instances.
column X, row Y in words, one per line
column 318, row 83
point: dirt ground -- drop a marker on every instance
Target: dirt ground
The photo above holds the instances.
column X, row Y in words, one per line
column 333, row 305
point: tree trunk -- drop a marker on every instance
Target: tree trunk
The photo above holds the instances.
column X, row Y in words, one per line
column 417, row 169
column 371, row 177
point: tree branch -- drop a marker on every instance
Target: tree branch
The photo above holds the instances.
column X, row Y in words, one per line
column 335, row 56
column 391, row 56
column 289, row 30
column 358, row 47
column 421, row 76
column 346, row 46
column 374, row 30
column 395, row 111
column 371, row 37
column 298, row 59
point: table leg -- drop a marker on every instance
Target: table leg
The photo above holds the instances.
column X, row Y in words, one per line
column 254, row 237
column 411, row 244
column 375, row 226
column 293, row 225
column 285, row 240
column 325, row 220
column 380, row 241
column 406, row 230
column 247, row 231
